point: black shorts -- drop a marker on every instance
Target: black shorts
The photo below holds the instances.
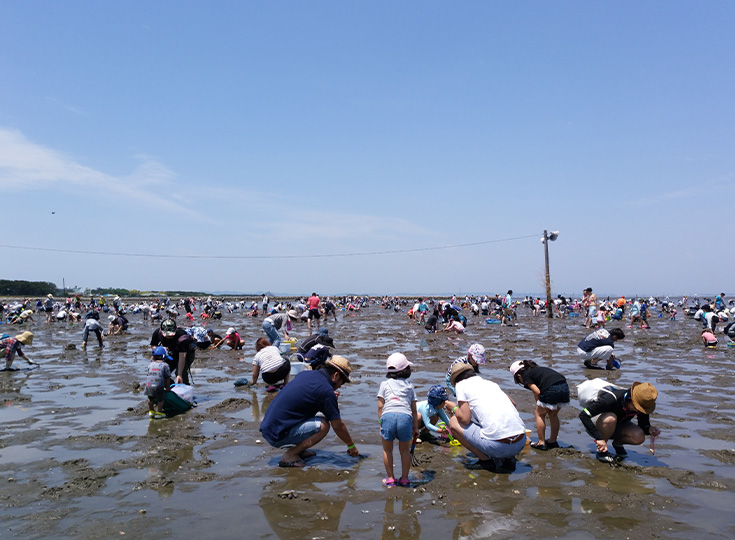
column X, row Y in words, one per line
column 272, row 377
column 314, row 314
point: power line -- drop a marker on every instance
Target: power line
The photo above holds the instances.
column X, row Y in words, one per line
column 317, row 256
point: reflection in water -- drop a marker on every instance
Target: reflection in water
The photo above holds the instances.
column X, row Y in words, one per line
column 11, row 383
column 166, row 460
column 290, row 512
column 483, row 524
column 400, row 520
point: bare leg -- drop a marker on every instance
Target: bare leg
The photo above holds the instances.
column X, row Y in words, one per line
column 630, row 434
column 606, row 424
column 541, row 413
column 554, row 425
column 388, row 458
column 292, row 454
column 405, row 449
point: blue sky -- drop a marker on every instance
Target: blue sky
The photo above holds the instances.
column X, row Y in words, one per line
column 271, row 129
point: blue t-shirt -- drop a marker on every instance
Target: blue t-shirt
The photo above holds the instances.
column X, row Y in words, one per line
column 427, row 411
column 309, row 393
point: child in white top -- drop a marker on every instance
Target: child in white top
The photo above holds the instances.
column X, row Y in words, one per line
column 398, row 417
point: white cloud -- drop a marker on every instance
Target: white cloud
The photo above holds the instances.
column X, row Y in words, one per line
column 25, row 165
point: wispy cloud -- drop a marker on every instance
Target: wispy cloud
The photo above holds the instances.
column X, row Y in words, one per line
column 66, row 106
column 707, row 189
column 25, row 165
column 361, row 230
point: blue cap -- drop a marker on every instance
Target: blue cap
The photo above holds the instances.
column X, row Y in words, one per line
column 437, row 394
column 159, row 351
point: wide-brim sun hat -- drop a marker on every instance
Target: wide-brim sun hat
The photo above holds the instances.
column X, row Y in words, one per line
column 26, row 338
column 477, row 352
column 397, row 362
column 457, row 370
column 644, row 397
column 49, row 295
column 342, row 365
column 293, row 314
column 515, row 367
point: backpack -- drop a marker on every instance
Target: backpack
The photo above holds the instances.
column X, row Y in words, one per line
column 589, row 391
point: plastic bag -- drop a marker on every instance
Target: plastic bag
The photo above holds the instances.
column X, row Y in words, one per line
column 184, row 391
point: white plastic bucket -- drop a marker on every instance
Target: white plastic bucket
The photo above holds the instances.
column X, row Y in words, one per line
column 297, row 367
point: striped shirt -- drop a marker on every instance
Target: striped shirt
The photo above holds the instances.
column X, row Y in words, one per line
column 268, row 359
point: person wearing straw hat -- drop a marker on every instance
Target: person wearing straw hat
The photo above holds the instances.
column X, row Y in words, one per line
column 485, row 420
column 10, row 346
column 291, row 420
column 610, row 415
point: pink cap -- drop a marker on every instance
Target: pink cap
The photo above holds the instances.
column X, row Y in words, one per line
column 397, row 362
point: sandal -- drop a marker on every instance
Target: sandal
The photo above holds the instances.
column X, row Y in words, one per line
column 540, row 446
column 552, row 445
column 292, row 464
column 404, row 482
column 307, row 454
column 488, row 464
column 389, row 481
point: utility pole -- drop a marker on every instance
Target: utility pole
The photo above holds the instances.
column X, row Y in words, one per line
column 553, row 235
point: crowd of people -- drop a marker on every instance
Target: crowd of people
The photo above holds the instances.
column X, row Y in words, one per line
column 481, row 417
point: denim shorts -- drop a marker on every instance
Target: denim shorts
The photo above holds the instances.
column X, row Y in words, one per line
column 396, row 426
column 555, row 394
column 300, row 432
column 490, row 448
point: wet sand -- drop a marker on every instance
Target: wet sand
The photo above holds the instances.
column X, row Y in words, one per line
column 79, row 457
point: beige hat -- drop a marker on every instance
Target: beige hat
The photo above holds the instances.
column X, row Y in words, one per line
column 342, row 365
column 461, row 367
column 293, row 314
column 26, row 338
column 49, row 295
column 644, row 397
column 230, row 331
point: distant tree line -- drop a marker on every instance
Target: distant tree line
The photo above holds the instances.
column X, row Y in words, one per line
column 17, row 287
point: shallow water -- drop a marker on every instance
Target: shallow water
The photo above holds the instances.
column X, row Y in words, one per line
column 79, row 457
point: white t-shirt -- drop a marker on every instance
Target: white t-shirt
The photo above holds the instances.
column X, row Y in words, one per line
column 268, row 359
column 491, row 409
column 398, row 395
